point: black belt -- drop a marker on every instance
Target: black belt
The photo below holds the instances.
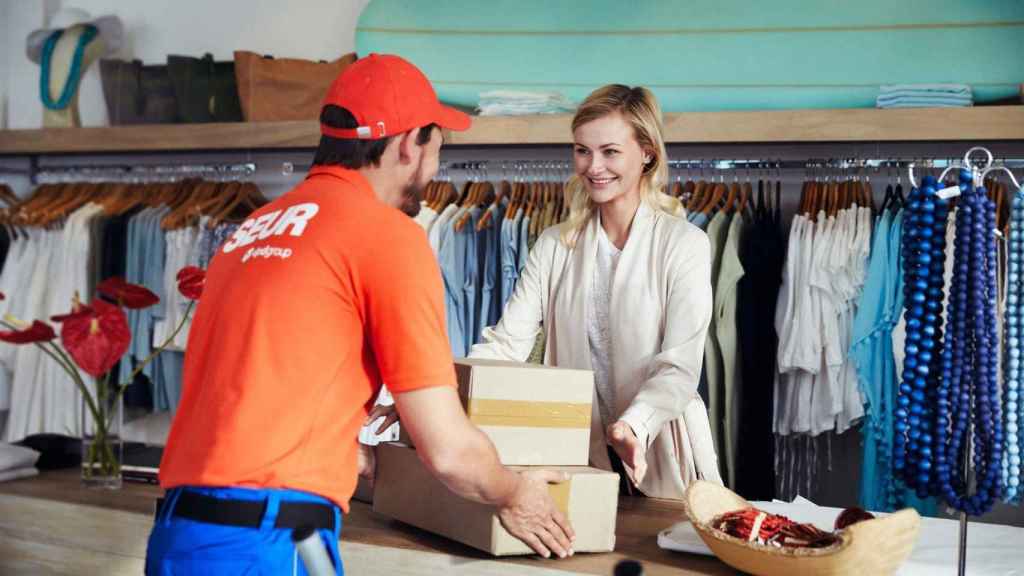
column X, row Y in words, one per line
column 249, row 513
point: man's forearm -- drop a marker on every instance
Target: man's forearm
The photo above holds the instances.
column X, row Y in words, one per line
column 472, row 470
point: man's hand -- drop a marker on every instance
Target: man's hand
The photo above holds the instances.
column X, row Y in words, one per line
column 388, row 412
column 531, row 515
column 627, row 446
column 367, row 466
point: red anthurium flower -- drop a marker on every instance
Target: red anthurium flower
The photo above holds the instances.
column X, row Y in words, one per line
column 77, row 309
column 128, row 295
column 96, row 336
column 36, row 332
column 191, row 281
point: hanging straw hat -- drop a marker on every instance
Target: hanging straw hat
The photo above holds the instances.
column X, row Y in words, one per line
column 109, row 27
column 873, row 547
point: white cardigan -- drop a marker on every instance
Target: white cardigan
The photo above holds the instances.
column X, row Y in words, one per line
column 661, row 305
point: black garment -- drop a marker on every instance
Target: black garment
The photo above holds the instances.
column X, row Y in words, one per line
column 114, row 246
column 5, row 245
column 761, row 253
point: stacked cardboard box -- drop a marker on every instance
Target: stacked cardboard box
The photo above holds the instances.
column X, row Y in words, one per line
column 537, row 417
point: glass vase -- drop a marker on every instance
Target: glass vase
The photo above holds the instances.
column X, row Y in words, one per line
column 102, row 446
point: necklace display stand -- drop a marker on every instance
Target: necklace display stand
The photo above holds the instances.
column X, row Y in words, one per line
column 62, row 70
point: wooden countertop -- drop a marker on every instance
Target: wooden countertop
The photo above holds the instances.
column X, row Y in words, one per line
column 51, row 525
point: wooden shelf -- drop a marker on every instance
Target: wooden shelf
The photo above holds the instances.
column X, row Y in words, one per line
column 854, row 125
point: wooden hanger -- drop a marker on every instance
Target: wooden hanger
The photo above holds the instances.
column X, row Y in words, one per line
column 697, row 198
column 38, row 213
column 804, row 193
column 249, row 198
column 730, row 199
column 809, row 206
column 472, row 200
column 503, row 188
column 184, row 203
column 7, row 195
column 676, row 190
column 714, row 198
column 76, row 198
column 513, row 204
column 746, row 194
column 431, row 193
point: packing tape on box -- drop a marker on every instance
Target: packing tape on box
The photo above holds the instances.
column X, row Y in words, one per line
column 560, row 494
column 528, row 414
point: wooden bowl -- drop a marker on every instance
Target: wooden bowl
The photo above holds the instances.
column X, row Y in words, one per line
column 874, row 547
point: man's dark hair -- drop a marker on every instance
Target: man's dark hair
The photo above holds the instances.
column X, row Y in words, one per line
column 354, row 153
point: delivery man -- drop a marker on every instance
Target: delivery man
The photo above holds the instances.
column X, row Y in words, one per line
column 319, row 297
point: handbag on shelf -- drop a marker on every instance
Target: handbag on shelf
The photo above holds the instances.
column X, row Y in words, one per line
column 279, row 89
column 205, row 90
column 137, row 94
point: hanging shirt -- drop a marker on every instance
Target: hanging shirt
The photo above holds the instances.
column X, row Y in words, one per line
column 869, row 354
column 509, row 256
column 489, row 249
column 438, row 227
column 452, row 272
column 729, row 275
column 426, row 216
column 718, row 233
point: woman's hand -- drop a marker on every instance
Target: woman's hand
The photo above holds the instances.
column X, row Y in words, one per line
column 389, row 413
column 625, row 443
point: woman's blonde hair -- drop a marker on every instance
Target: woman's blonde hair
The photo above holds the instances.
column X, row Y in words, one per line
column 640, row 109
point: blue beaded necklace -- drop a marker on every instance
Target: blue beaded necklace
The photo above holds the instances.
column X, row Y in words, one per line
column 88, row 34
column 968, row 395
column 1014, row 408
column 923, row 253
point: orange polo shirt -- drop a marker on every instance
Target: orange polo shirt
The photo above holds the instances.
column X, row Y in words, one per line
column 319, row 297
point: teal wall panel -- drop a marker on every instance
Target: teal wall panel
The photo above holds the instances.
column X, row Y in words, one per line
column 702, row 54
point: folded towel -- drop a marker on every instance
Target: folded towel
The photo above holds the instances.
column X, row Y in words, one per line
column 18, row 473
column 930, row 88
column 922, row 96
column 14, row 457
column 925, row 94
column 512, row 103
column 924, row 103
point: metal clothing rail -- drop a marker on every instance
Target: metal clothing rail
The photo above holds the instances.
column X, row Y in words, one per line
column 138, row 173
column 530, row 170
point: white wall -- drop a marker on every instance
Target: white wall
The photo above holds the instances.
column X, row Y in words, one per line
column 312, row 29
column 5, row 10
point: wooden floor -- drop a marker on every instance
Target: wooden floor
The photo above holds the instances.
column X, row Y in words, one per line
column 51, row 525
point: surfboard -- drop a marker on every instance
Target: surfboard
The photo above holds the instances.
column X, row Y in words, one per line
column 704, row 55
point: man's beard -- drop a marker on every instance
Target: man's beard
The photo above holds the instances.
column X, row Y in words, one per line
column 412, row 194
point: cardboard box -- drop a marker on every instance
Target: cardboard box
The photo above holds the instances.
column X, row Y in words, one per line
column 364, row 491
column 535, row 415
column 406, row 491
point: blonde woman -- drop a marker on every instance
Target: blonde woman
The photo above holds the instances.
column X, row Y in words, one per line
column 623, row 287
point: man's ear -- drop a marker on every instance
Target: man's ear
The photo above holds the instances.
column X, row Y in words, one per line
column 407, row 148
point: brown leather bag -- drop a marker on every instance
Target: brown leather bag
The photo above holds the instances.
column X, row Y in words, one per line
column 277, row 89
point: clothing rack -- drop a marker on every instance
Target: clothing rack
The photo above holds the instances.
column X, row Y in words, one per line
column 139, row 173
column 527, row 169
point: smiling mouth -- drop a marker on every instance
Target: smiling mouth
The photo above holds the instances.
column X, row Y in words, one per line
column 600, row 181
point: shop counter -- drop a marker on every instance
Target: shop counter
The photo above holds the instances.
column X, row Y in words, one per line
column 50, row 524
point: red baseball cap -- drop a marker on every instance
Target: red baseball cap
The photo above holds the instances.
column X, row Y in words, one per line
column 388, row 96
